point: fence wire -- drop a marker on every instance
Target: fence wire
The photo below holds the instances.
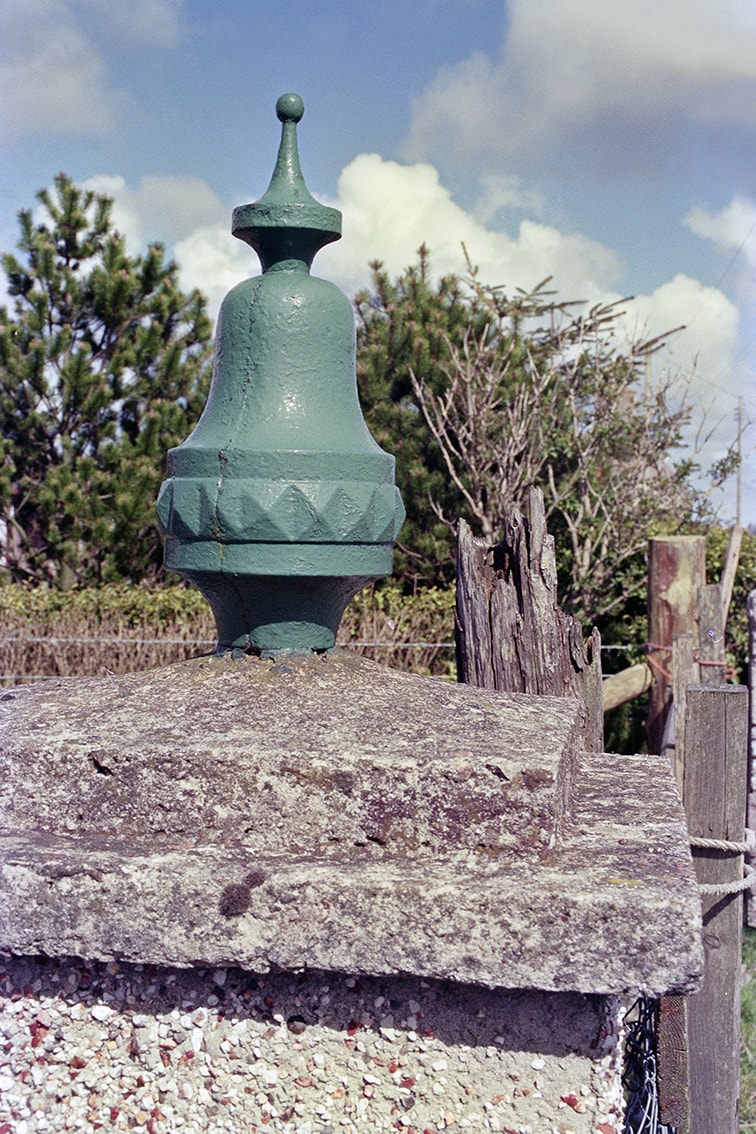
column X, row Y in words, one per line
column 68, row 657
column 28, row 659
column 639, row 1077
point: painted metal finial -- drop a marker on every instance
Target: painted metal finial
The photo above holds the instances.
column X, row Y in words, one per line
column 280, row 506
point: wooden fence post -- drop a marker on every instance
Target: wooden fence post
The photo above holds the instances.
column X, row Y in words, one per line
column 751, row 607
column 679, row 601
column 730, row 566
column 713, row 794
column 676, row 571
column 711, row 639
column 672, row 1031
column 702, row 617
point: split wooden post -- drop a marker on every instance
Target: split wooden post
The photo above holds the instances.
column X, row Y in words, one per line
column 713, row 795
column 676, row 571
column 511, row 634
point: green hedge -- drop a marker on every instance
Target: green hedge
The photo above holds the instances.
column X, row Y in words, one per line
column 124, row 628
column 180, row 619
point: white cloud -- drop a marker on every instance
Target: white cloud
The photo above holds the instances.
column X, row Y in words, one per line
column 709, row 335
column 734, row 227
column 188, row 217
column 391, row 209
column 53, row 77
column 703, row 356
column 501, row 192
column 136, row 23
column 125, row 213
column 730, row 228
column 586, row 82
column 162, row 207
column 211, row 259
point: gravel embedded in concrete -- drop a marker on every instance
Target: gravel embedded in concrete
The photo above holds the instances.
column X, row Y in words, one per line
column 87, row 1046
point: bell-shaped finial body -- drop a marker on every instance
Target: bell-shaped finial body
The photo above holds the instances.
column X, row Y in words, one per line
column 280, row 505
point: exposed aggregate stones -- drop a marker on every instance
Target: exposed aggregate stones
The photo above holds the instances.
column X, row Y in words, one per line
column 87, row 1046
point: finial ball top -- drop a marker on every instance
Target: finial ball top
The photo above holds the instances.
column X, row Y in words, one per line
column 290, row 108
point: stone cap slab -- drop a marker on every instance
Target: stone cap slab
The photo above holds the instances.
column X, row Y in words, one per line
column 330, row 813
column 311, row 756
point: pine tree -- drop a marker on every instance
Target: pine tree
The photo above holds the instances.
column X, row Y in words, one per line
column 103, row 367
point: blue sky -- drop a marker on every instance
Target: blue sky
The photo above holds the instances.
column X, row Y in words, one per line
column 610, row 145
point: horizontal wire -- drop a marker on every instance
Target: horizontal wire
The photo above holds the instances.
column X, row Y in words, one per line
column 132, row 641
column 211, row 642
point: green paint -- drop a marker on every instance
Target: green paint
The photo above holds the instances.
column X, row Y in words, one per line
column 280, row 505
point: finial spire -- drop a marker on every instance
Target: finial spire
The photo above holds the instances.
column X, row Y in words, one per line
column 287, row 183
column 287, row 223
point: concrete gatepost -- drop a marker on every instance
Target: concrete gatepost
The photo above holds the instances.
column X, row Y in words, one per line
column 314, row 895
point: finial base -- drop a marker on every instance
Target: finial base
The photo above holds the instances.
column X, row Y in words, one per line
column 272, row 614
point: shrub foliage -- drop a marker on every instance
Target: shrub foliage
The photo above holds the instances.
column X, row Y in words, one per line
column 119, row 628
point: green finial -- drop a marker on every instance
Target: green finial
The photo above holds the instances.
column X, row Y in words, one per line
column 287, row 223
column 280, row 505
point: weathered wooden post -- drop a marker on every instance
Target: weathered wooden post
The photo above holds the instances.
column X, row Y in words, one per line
column 698, row 1062
column 714, row 791
column 684, row 673
column 511, row 633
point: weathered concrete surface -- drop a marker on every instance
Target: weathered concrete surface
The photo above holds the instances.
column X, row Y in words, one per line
column 314, row 756
column 328, row 813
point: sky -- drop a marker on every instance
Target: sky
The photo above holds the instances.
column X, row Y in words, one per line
column 610, row 146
